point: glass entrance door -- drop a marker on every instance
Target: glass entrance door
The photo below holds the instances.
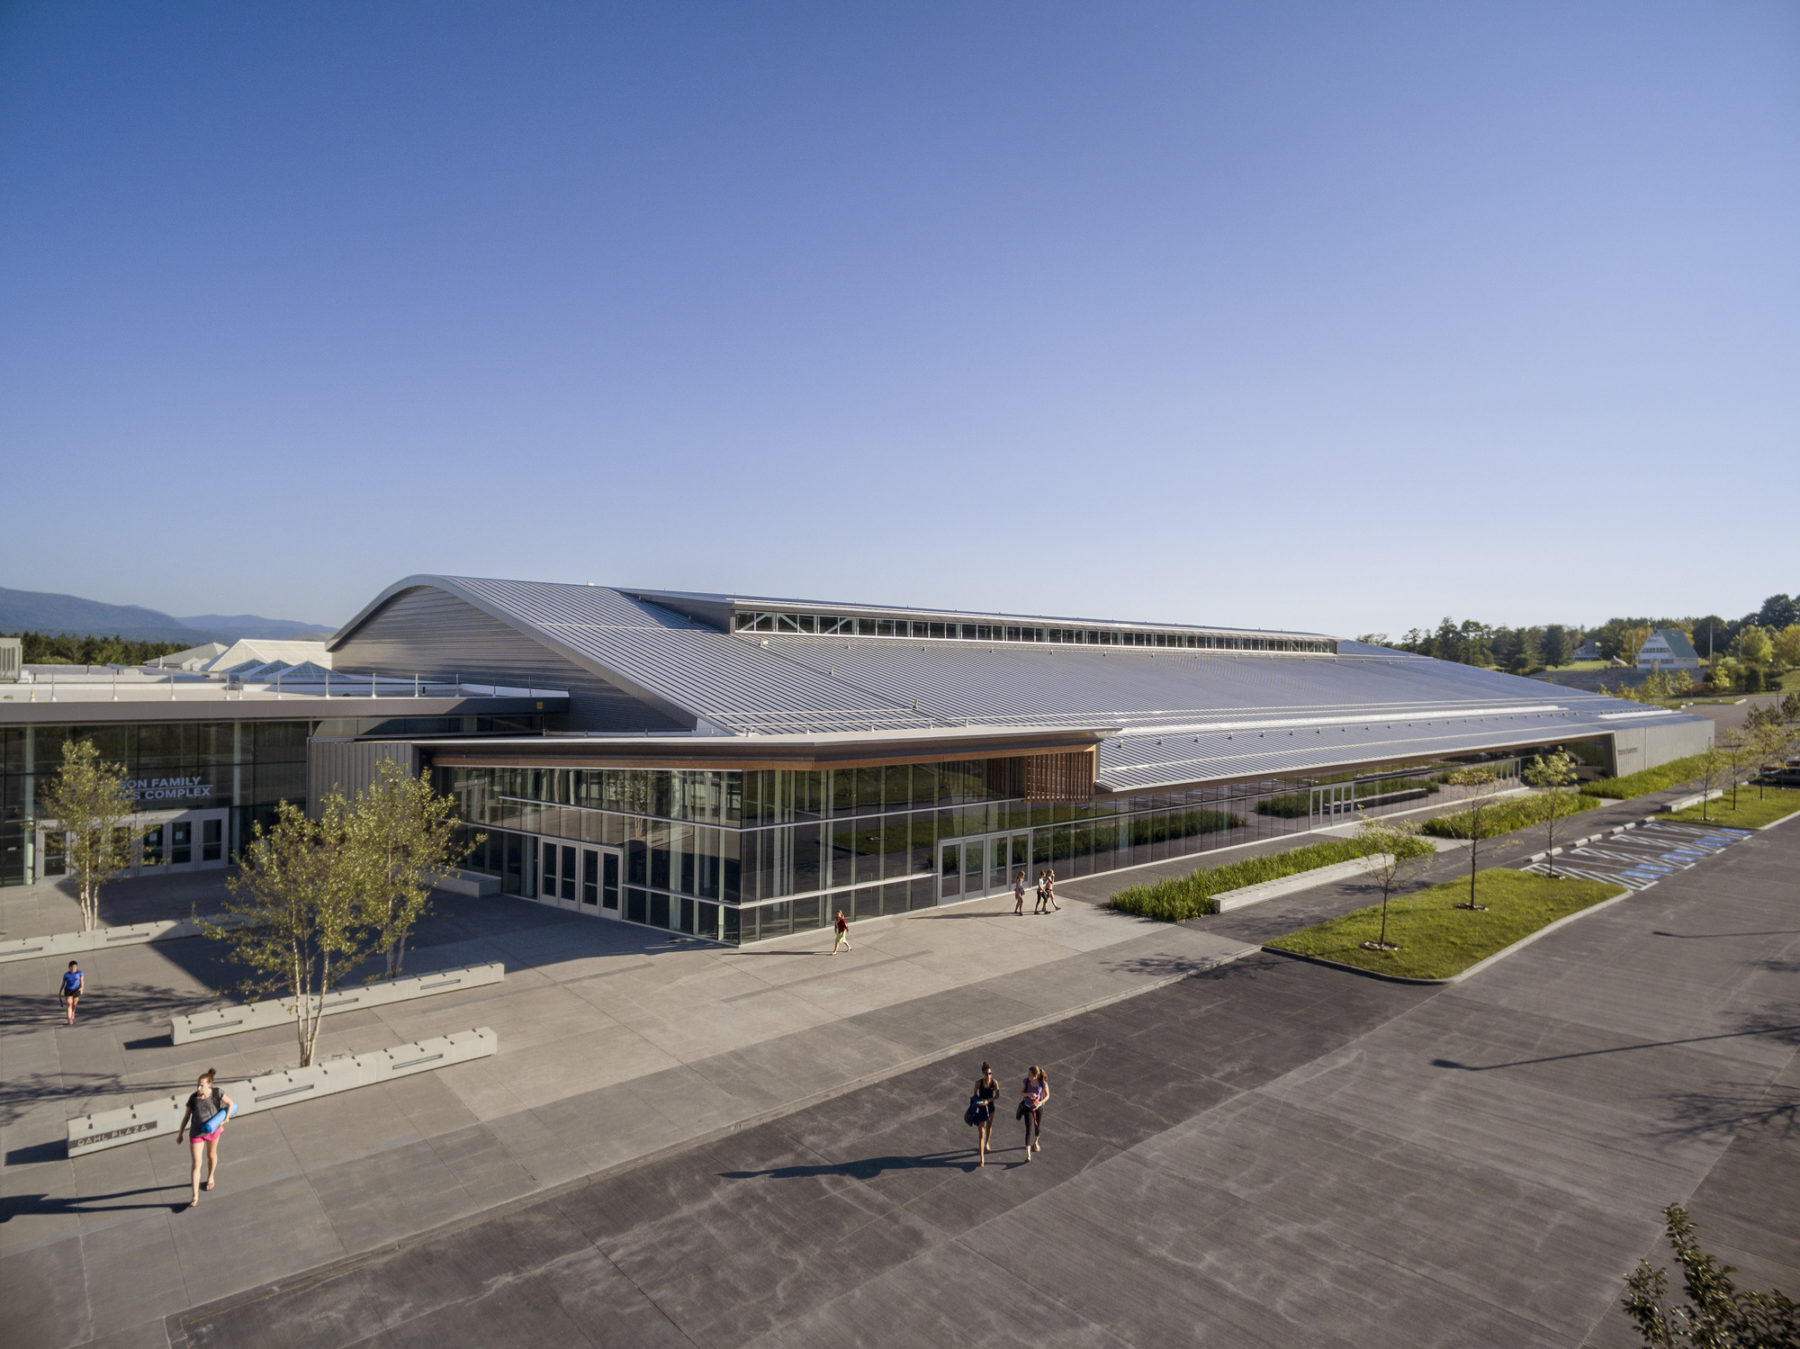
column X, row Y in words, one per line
column 557, row 874
column 972, row 867
column 578, row 877
column 599, row 882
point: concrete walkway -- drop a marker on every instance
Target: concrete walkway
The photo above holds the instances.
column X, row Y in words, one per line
column 615, row 1046
column 1269, row 1153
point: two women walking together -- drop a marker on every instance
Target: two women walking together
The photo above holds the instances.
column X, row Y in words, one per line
column 1046, row 893
column 985, row 1104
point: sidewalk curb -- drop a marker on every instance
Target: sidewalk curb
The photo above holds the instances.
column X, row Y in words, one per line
column 1476, row 968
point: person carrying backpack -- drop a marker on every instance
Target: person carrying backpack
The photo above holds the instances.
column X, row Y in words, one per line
column 209, row 1108
column 980, row 1113
column 70, row 992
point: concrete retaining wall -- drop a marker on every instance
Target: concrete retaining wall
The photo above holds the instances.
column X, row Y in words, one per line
column 220, row 1021
column 1302, row 880
column 161, row 1116
column 475, row 884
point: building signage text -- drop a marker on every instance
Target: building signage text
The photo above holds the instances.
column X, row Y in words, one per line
column 171, row 789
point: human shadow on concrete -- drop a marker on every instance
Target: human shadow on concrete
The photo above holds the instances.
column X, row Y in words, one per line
column 44, row 1205
column 864, row 1168
column 1698, row 936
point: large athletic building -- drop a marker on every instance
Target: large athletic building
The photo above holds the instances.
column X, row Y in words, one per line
column 739, row 768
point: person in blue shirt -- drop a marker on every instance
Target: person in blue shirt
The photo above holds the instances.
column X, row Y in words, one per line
column 72, row 981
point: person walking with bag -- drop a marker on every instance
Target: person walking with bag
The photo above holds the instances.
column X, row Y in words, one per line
column 73, row 981
column 208, row 1108
column 842, row 928
column 1032, row 1098
column 982, row 1109
column 1039, row 906
column 1019, row 895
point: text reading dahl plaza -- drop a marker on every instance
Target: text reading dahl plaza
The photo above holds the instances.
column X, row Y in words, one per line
column 741, row 768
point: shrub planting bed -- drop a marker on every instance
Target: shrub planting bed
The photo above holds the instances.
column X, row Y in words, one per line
column 1438, row 940
column 1181, row 898
column 1671, row 774
column 1505, row 816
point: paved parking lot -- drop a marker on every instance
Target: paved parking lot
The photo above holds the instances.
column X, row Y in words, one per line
column 1641, row 855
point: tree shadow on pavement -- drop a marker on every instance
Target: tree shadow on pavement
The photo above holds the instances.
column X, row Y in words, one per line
column 1165, row 966
column 1737, row 1107
column 107, row 1003
column 19, row 1094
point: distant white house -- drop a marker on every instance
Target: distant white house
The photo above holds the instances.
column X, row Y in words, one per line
column 1588, row 650
column 1668, row 649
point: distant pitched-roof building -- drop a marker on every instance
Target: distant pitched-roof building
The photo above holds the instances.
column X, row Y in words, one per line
column 1668, row 649
column 1588, row 650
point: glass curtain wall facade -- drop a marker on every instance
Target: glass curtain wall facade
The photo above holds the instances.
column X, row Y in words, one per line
column 744, row 856
column 243, row 767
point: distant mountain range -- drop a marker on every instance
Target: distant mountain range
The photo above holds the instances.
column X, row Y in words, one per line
column 37, row 611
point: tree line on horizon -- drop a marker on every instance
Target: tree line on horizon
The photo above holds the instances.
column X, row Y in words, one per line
column 1549, row 645
column 55, row 648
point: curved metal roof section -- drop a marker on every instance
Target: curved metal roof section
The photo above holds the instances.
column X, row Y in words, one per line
column 1187, row 716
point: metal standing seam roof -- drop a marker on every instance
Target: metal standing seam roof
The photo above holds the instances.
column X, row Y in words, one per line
column 1187, row 715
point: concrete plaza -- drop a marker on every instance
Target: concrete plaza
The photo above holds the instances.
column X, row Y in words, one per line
column 685, row 1144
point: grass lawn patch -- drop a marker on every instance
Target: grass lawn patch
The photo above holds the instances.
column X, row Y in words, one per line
column 1437, row 939
column 1505, row 816
column 1184, row 897
column 1671, row 774
column 1750, row 813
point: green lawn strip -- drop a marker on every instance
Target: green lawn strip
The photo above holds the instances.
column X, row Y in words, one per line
column 1750, row 813
column 1671, row 774
column 1437, row 939
column 1505, row 816
column 1183, row 897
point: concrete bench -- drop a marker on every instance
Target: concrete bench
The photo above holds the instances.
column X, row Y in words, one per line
column 220, row 1021
column 161, row 1116
column 104, row 938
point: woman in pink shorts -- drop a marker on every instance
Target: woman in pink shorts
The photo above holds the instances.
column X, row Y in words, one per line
column 209, row 1108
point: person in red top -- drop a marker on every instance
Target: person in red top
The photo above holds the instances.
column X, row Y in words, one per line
column 842, row 928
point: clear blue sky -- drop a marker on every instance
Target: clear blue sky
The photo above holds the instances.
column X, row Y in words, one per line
column 1327, row 316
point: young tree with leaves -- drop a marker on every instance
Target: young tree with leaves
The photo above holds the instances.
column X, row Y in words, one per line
column 405, row 835
column 89, row 802
column 1714, row 763
column 1717, row 1315
column 1484, row 791
column 1397, row 854
column 1738, row 744
column 300, row 912
column 1554, row 775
